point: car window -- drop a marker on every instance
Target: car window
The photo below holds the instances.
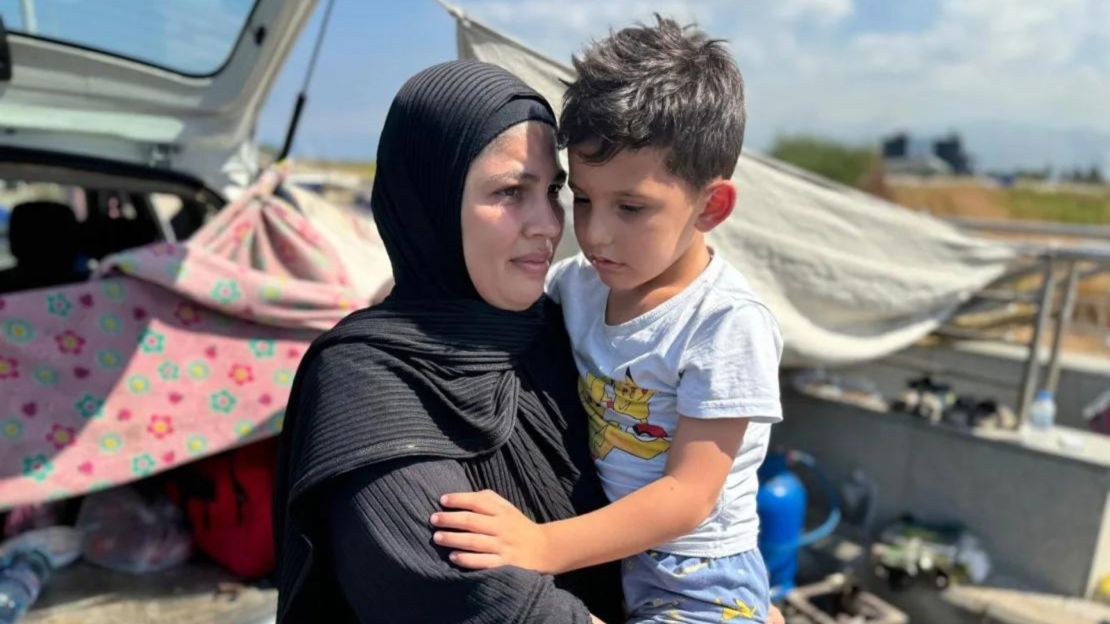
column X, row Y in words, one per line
column 193, row 37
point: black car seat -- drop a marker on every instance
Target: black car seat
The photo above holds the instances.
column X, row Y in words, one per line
column 109, row 228
column 43, row 237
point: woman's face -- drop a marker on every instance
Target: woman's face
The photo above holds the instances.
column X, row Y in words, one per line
column 511, row 217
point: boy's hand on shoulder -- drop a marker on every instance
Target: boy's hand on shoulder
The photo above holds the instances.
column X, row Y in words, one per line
column 488, row 532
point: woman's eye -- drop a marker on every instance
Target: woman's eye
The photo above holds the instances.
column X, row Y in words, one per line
column 511, row 192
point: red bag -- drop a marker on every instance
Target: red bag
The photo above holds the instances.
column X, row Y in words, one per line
column 228, row 499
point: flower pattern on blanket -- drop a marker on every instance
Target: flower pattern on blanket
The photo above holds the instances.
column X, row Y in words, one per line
column 175, row 352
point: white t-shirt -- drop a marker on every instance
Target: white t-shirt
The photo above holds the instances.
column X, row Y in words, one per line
column 711, row 351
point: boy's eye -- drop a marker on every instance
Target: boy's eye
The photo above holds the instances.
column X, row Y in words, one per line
column 630, row 209
column 511, row 192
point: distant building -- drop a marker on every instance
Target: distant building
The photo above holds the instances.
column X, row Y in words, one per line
column 896, row 146
column 903, row 154
column 951, row 150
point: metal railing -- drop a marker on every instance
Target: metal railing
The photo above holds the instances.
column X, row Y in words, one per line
column 1048, row 304
column 1042, row 228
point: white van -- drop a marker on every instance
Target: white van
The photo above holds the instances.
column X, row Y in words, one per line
column 126, row 122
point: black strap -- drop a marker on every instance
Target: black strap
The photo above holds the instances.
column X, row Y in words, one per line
column 5, row 54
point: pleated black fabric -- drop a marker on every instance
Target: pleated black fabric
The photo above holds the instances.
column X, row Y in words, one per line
column 436, row 380
column 431, row 391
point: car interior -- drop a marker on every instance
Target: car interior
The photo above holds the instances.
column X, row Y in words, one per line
column 59, row 220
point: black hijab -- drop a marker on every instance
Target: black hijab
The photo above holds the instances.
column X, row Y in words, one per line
column 439, row 122
column 433, row 371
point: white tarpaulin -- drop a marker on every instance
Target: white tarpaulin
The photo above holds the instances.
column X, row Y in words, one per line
column 849, row 276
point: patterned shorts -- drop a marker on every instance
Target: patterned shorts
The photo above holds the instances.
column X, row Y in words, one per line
column 661, row 587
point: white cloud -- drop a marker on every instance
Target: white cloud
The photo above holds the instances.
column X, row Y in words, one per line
column 1044, row 65
column 1001, row 34
column 1020, row 59
column 825, row 12
column 585, row 16
column 816, row 65
column 595, row 17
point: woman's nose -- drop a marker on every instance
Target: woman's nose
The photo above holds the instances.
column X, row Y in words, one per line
column 543, row 219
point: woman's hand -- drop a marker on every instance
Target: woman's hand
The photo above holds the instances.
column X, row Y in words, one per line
column 489, row 532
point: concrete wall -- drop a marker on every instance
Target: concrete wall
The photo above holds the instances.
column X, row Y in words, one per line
column 1039, row 515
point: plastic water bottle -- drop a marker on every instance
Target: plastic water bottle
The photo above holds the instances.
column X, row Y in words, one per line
column 1042, row 413
column 21, row 579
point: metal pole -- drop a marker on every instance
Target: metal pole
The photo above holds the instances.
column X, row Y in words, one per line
column 1084, row 231
column 30, row 21
column 455, row 11
column 1067, row 308
column 1029, row 377
column 302, row 97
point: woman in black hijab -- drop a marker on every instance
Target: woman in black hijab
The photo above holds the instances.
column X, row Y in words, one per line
column 461, row 380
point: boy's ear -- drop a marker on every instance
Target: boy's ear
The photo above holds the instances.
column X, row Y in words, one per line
column 719, row 200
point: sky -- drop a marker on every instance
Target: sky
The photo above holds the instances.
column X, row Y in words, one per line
column 1026, row 82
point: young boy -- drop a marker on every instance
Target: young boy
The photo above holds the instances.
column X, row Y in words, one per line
column 677, row 356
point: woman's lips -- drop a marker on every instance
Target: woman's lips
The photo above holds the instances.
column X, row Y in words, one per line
column 535, row 264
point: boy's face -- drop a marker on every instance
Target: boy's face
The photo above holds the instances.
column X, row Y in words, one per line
column 633, row 218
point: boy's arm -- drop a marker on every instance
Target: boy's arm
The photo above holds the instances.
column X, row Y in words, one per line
column 700, row 458
column 730, row 377
column 494, row 533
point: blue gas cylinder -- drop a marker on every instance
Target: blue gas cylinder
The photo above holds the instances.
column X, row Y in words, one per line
column 781, row 504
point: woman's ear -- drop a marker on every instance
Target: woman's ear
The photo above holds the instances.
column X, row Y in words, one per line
column 719, row 198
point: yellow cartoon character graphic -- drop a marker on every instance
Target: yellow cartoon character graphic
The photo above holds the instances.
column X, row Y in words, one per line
column 618, row 413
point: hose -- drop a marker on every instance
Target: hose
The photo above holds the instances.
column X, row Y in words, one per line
column 832, row 499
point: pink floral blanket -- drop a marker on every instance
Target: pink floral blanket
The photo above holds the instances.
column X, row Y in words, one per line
column 178, row 351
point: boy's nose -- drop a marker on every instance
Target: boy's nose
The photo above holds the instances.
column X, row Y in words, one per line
column 591, row 229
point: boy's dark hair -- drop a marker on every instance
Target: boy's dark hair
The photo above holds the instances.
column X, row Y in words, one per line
column 663, row 86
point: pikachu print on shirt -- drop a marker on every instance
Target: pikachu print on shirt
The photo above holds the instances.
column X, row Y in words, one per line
column 619, row 415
